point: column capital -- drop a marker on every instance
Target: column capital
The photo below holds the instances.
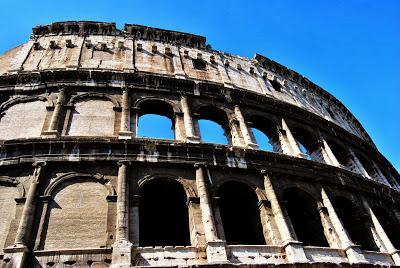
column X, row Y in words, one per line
column 124, row 162
column 198, row 165
column 39, row 164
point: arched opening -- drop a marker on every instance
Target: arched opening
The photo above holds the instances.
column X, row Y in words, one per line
column 262, row 140
column 155, row 120
column 212, row 125
column 341, row 155
column 163, row 214
column 240, row 214
column 368, row 166
column 155, row 126
column 355, row 223
column 307, row 143
column 264, row 133
column 212, row 132
column 306, row 221
column 389, row 223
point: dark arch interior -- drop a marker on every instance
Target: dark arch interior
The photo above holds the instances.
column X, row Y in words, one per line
column 355, row 223
column 156, row 107
column 389, row 223
column 366, row 163
column 303, row 213
column 163, row 216
column 339, row 152
column 240, row 214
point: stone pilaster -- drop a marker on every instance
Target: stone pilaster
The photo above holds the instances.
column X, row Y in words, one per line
column 188, row 121
column 244, row 129
column 122, row 248
column 19, row 252
column 328, row 155
column 134, row 220
column 288, row 143
column 358, row 164
column 383, row 237
column 125, row 128
column 55, row 118
column 293, row 248
column 216, row 252
column 353, row 252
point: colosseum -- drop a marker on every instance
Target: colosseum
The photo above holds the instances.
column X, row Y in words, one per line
column 79, row 187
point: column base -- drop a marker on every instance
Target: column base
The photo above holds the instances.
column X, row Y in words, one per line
column 193, row 139
column 125, row 135
column 295, row 252
column 50, row 134
column 122, row 254
column 355, row 255
column 16, row 256
column 396, row 257
column 216, row 252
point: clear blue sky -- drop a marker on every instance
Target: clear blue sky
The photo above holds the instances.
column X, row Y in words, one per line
column 349, row 47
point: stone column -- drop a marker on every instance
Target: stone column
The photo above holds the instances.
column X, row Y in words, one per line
column 188, row 121
column 216, row 252
column 288, row 143
column 328, row 155
column 353, row 252
column 358, row 164
column 18, row 253
column 293, row 248
column 121, row 256
column 55, row 118
column 125, row 128
column 244, row 129
column 28, row 213
column 389, row 248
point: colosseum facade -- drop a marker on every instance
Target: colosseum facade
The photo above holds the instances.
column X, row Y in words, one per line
column 80, row 188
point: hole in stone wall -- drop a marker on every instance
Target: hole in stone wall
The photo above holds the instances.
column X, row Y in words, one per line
column 303, row 213
column 212, row 132
column 263, row 141
column 276, row 85
column 163, row 214
column 389, row 223
column 355, row 224
column 199, row 64
column 240, row 214
column 155, row 126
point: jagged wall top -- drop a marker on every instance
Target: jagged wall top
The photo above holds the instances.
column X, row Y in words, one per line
column 106, row 28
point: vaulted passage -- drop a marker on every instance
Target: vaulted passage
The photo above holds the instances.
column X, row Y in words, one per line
column 355, row 222
column 163, row 216
column 303, row 213
column 240, row 214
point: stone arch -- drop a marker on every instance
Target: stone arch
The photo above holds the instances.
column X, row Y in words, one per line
column 308, row 142
column 152, row 110
column 76, row 216
column 238, row 206
column 163, row 212
column 268, row 126
column 302, row 209
column 29, row 112
column 216, row 115
column 189, row 190
column 79, row 97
